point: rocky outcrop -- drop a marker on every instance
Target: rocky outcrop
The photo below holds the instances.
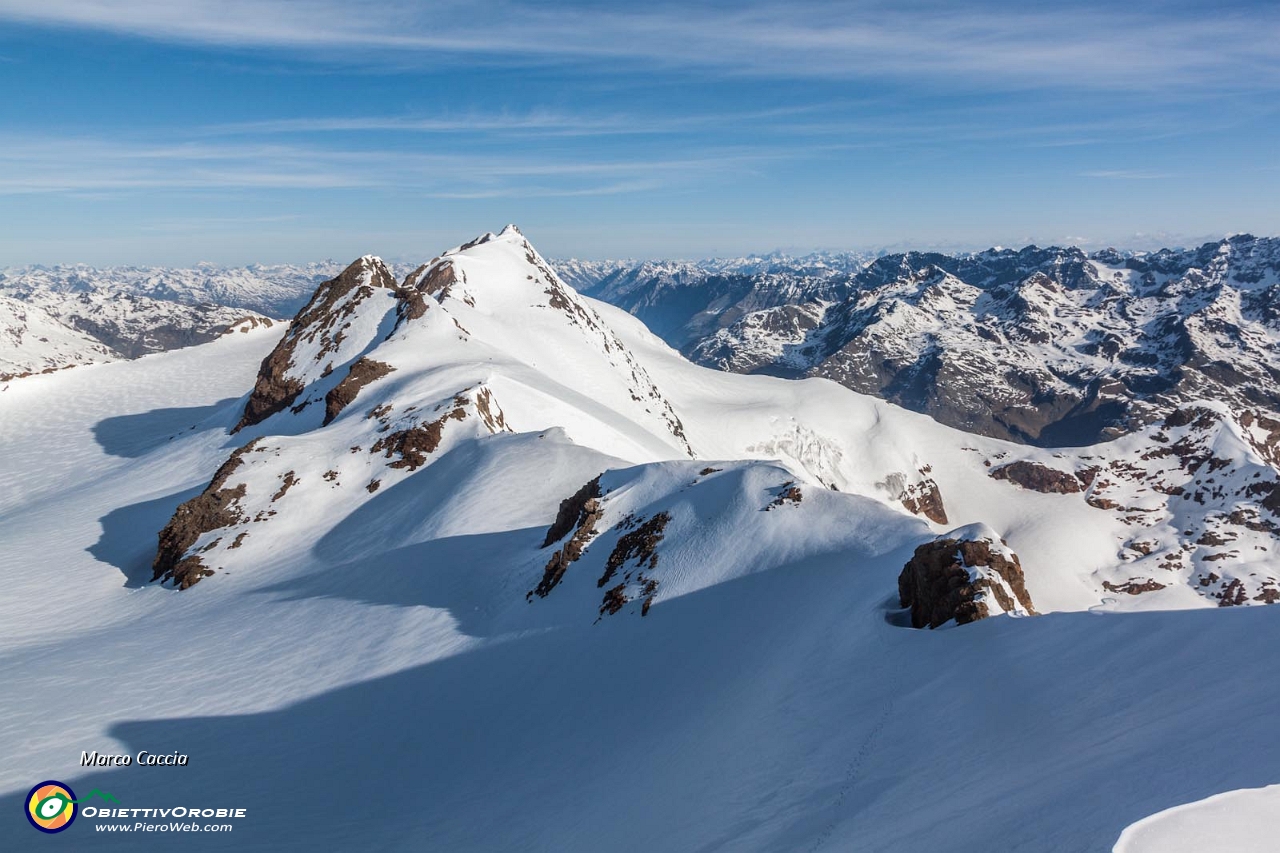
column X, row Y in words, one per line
column 788, row 493
column 967, row 575
column 364, row 371
column 212, row 509
column 579, row 513
column 639, row 544
column 919, row 495
column 318, row 326
column 409, row 448
column 1038, row 478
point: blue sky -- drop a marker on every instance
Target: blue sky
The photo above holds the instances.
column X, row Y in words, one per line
column 283, row 130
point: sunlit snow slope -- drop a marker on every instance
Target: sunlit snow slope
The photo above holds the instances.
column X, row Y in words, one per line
column 482, row 554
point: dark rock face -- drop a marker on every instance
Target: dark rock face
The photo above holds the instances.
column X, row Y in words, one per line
column 411, row 447
column 1038, row 478
column 364, row 371
column 578, row 513
column 925, row 498
column 935, row 583
column 213, row 508
column 275, row 389
column 1134, row 586
column 789, row 493
column 639, row 544
column 572, row 510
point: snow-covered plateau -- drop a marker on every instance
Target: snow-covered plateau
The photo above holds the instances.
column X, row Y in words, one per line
column 466, row 560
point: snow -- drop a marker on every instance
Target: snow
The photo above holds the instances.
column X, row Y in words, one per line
column 32, row 340
column 360, row 642
column 1231, row 822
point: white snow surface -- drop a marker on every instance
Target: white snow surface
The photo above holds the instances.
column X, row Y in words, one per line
column 32, row 340
column 373, row 657
column 1231, row 822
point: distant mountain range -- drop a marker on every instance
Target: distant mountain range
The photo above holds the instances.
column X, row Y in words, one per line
column 1044, row 346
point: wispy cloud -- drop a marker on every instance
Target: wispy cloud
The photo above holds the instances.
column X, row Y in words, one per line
column 1157, row 48
column 72, row 165
column 533, row 123
column 1125, row 175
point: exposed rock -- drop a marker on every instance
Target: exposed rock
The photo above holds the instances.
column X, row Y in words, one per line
column 287, row 482
column 245, row 324
column 961, row 579
column 614, row 600
column 415, row 444
column 919, row 497
column 437, row 281
column 213, row 508
column 639, row 545
column 275, row 388
column 573, row 510
column 789, row 493
column 1234, row 594
column 1134, row 586
column 1037, row 477
column 362, row 372
column 925, row 498
column 579, row 513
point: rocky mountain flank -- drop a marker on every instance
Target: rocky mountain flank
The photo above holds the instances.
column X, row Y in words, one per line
column 482, row 396
column 1048, row 347
column 378, row 378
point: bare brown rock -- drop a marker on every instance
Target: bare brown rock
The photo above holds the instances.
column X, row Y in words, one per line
column 287, row 482
column 935, row 583
column 213, row 508
column 789, row 493
column 362, row 372
column 614, row 600
column 572, row 511
column 275, row 390
column 925, row 498
column 415, row 444
column 1234, row 594
column 1134, row 586
column 639, row 545
column 578, row 512
column 1037, row 477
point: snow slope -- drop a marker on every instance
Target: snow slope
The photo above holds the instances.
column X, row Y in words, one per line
column 32, row 341
column 722, row 664
column 1231, row 822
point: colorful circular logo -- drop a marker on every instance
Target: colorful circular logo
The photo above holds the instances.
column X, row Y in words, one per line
column 51, row 806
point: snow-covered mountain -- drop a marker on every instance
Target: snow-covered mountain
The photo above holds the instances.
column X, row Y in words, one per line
column 273, row 290
column 51, row 318
column 486, row 340
column 474, row 536
column 1045, row 346
column 588, row 276
column 33, row 340
column 51, row 331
